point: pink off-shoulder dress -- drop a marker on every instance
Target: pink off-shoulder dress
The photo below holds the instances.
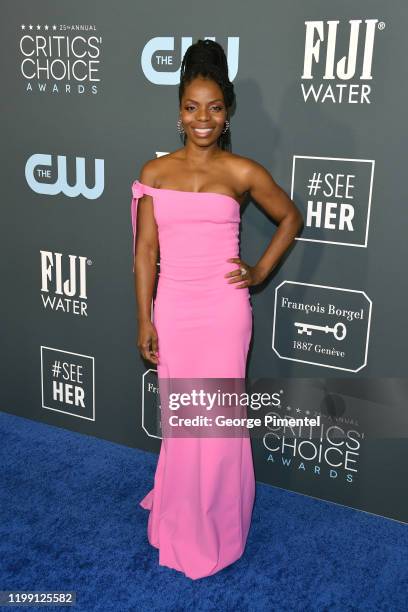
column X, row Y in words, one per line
column 201, row 503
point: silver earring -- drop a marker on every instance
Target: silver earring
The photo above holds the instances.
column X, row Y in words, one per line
column 226, row 127
column 180, row 126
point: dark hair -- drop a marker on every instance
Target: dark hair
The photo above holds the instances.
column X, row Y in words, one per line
column 207, row 58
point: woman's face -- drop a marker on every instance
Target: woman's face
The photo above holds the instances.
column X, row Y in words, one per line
column 202, row 111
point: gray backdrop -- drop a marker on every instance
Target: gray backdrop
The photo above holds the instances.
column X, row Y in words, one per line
column 321, row 103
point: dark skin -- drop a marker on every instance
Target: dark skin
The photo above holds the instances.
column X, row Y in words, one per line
column 202, row 166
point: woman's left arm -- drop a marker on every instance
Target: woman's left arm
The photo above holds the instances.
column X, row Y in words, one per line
column 277, row 204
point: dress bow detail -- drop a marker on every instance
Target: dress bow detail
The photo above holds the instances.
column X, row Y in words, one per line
column 137, row 189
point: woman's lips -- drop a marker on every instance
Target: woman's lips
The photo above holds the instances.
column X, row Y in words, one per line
column 202, row 132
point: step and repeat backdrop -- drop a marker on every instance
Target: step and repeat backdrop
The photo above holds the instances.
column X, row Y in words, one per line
column 90, row 93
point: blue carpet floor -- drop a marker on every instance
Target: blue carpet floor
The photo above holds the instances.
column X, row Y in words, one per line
column 70, row 520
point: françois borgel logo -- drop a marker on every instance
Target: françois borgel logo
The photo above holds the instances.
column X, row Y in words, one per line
column 338, row 60
column 63, row 59
column 334, row 195
column 68, row 382
column 320, row 325
column 151, row 406
column 48, row 175
column 63, row 282
column 161, row 61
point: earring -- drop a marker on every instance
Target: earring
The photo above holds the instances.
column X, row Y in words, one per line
column 226, row 127
column 180, row 126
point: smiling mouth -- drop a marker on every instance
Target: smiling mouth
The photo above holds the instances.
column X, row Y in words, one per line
column 202, row 131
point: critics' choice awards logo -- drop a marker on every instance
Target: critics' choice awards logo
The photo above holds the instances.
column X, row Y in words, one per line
column 68, row 382
column 331, row 450
column 62, row 59
column 63, row 282
column 161, row 60
column 48, row 175
column 324, row 326
column 341, row 52
column 334, row 195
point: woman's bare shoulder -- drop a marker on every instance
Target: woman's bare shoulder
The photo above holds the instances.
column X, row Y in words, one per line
column 242, row 163
column 249, row 171
column 151, row 170
column 241, row 168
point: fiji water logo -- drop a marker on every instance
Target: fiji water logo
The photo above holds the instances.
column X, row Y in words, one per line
column 64, row 282
column 325, row 60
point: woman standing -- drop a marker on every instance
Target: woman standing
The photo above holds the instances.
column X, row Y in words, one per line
column 188, row 204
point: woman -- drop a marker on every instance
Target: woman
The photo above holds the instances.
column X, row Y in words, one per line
column 188, row 204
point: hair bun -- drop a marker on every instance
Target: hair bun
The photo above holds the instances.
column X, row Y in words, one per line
column 207, row 58
column 205, row 52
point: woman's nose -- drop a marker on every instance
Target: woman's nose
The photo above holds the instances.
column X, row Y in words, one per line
column 202, row 115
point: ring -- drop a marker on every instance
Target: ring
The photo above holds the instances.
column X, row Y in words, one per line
column 243, row 270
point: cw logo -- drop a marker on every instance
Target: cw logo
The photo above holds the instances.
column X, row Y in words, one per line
column 160, row 44
column 33, row 171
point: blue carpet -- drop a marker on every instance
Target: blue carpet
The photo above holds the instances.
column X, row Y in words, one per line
column 70, row 520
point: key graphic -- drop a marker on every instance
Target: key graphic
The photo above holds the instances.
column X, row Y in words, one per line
column 308, row 329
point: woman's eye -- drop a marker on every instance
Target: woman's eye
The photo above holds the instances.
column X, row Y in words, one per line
column 216, row 108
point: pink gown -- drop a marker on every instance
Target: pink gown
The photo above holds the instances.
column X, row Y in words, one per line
column 204, row 488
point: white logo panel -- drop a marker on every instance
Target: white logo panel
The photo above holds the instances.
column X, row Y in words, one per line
column 321, row 325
